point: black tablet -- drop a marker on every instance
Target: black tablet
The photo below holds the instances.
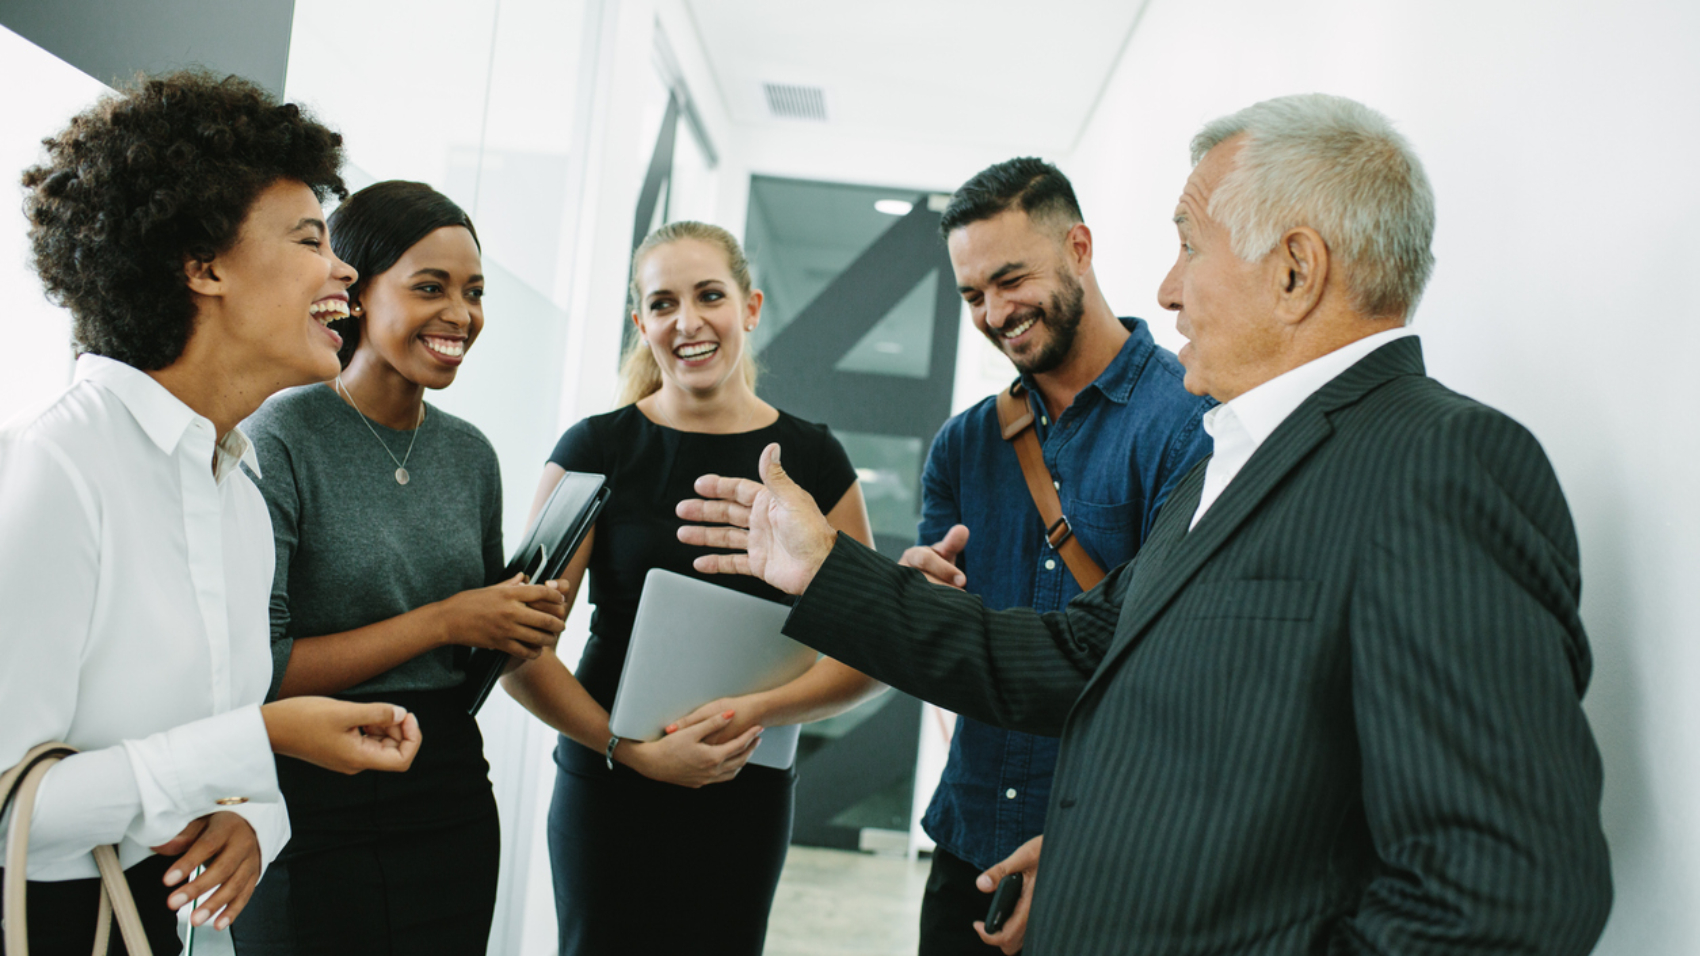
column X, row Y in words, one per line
column 542, row 555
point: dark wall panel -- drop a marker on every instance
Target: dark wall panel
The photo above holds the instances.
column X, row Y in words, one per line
column 112, row 39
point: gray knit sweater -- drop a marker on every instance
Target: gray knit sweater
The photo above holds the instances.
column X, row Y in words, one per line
column 353, row 546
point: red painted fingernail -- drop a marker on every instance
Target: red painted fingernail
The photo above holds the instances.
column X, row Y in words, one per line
column 671, row 728
column 727, row 715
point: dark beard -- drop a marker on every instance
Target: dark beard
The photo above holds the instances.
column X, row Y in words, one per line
column 1062, row 317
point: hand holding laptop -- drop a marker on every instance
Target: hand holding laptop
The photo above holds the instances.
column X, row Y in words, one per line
column 681, row 758
column 746, row 711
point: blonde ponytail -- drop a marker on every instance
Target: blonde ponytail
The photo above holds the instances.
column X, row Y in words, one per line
column 640, row 377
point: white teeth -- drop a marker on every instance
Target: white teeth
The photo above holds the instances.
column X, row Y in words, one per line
column 1018, row 330
column 695, row 350
column 328, row 310
column 450, row 347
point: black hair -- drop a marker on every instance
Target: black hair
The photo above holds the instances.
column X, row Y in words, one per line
column 1027, row 183
column 376, row 226
column 152, row 176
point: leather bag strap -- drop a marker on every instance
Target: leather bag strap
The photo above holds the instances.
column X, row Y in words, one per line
column 1015, row 417
column 18, row 787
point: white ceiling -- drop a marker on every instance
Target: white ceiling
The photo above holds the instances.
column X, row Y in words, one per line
column 967, row 71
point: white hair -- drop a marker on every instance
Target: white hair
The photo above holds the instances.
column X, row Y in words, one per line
column 1339, row 167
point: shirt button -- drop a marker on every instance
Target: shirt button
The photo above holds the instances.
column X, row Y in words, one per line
column 1056, row 484
column 1044, row 420
column 231, row 801
column 1010, row 793
column 1050, row 564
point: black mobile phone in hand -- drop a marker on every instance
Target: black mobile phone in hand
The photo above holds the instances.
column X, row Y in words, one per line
column 1003, row 902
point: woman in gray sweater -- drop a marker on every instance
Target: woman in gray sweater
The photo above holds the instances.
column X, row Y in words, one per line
column 387, row 517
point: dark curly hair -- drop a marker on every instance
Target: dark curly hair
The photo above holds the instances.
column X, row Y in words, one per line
column 376, row 226
column 148, row 178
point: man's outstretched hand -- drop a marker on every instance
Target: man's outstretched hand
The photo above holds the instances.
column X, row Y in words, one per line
column 783, row 537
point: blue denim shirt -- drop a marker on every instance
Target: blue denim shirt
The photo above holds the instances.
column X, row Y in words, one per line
column 1115, row 453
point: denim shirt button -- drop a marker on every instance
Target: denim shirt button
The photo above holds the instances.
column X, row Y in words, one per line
column 1010, row 793
column 1050, row 564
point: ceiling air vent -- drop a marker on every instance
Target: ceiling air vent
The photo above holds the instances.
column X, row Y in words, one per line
column 795, row 102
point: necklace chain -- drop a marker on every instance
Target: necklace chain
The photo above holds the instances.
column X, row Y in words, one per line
column 401, row 475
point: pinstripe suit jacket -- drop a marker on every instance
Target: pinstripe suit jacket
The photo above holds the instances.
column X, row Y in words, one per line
column 1341, row 715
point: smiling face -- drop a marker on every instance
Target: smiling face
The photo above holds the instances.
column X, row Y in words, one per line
column 280, row 286
column 694, row 316
column 1021, row 288
column 1222, row 304
column 420, row 316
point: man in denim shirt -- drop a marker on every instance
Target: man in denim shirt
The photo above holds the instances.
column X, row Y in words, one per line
column 1117, row 431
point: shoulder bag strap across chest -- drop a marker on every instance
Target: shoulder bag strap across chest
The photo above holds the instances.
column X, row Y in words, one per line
column 1015, row 418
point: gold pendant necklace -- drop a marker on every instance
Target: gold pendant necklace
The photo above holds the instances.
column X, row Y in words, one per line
column 401, row 475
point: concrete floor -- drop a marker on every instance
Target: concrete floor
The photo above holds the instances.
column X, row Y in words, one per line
column 841, row 903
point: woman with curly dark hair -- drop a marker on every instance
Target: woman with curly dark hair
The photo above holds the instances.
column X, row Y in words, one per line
column 180, row 223
column 388, row 517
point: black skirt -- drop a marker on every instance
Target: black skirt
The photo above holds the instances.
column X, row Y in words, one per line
column 402, row 863
column 644, row 867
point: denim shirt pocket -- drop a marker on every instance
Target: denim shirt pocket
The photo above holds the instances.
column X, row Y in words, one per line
column 1109, row 532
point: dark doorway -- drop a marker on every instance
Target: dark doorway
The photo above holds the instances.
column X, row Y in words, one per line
column 858, row 331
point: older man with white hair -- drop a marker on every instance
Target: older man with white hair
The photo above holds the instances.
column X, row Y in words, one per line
column 1334, row 705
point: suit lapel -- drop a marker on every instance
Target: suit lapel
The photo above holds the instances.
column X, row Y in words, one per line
column 1176, row 554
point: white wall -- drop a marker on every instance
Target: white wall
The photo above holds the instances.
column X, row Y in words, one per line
column 38, row 334
column 1561, row 141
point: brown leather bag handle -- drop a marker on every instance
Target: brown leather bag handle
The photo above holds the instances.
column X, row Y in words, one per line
column 1015, row 417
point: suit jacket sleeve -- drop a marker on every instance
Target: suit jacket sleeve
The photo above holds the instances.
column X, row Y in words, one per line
column 1015, row 669
column 1481, row 782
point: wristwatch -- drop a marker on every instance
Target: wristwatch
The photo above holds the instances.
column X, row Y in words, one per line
column 609, row 753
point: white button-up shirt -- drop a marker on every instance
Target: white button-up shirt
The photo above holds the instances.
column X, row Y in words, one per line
column 1238, row 427
column 135, row 571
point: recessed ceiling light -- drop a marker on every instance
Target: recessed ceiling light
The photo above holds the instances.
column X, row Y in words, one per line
column 893, row 207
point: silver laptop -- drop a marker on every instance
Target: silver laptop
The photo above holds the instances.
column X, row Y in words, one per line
column 695, row 642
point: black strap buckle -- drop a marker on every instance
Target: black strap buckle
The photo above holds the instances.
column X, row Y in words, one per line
column 1058, row 533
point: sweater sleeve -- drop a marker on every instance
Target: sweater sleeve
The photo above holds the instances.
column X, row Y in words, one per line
column 283, row 501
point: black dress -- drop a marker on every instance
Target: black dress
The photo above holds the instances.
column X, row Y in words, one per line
column 642, row 866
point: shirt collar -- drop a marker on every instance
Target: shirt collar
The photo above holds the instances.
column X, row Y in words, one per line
column 163, row 416
column 1117, row 380
column 1262, row 409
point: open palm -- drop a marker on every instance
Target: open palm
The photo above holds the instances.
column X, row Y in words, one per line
column 774, row 525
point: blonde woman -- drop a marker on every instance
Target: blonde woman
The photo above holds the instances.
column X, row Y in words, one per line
column 679, row 826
